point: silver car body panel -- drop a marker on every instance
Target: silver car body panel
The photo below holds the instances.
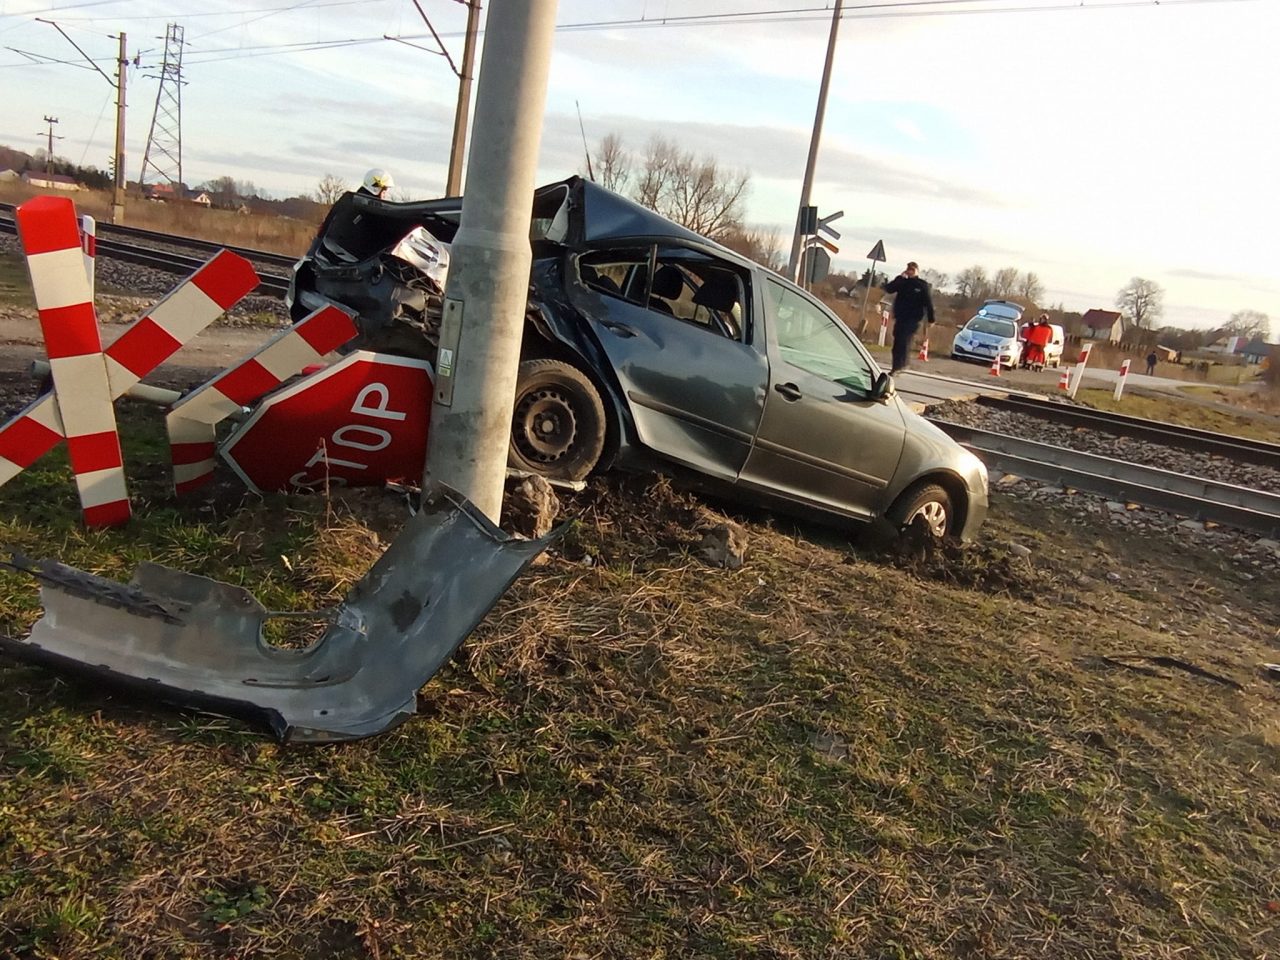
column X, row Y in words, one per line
column 196, row 642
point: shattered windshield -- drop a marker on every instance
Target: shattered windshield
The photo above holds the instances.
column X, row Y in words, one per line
column 550, row 215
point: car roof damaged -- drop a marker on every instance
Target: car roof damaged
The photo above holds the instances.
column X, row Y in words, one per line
column 199, row 643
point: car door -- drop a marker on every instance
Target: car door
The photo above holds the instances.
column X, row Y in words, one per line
column 822, row 439
column 695, row 388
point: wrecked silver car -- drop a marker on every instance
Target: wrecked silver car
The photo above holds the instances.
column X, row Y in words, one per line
column 648, row 345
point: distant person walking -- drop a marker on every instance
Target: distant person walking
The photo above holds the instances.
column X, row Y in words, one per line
column 912, row 302
column 1151, row 363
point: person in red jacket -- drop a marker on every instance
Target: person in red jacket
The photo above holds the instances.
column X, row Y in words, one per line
column 1038, row 337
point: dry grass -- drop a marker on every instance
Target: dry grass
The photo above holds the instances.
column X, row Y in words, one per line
column 1187, row 412
column 256, row 231
column 822, row 754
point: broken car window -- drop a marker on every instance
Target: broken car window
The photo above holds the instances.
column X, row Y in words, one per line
column 699, row 289
column 687, row 285
column 619, row 273
column 812, row 340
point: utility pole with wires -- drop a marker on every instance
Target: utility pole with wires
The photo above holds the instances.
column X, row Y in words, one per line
column 793, row 264
column 122, row 72
column 465, row 75
column 162, row 158
column 453, row 186
column 122, row 66
column 48, row 158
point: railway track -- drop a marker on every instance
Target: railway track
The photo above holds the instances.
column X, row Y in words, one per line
column 117, row 242
column 1257, row 511
column 1241, row 449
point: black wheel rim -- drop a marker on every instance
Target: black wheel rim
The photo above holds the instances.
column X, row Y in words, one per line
column 546, row 425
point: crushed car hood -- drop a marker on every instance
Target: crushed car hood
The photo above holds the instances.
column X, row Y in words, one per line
column 195, row 642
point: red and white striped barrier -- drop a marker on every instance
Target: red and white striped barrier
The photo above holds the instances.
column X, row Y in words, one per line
column 148, row 342
column 193, row 420
column 89, row 244
column 1064, row 379
column 1120, row 380
column 923, row 355
column 1078, row 375
column 51, row 240
column 184, row 312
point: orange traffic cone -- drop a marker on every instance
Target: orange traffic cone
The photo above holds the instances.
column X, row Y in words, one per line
column 924, row 351
column 1064, row 380
column 995, row 367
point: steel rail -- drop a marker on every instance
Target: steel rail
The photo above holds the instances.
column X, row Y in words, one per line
column 1196, row 497
column 135, row 233
column 173, row 239
column 1240, row 449
column 272, row 285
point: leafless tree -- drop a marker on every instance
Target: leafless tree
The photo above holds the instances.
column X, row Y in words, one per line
column 222, row 188
column 1030, row 288
column 1005, row 283
column 330, row 188
column 758, row 244
column 1248, row 324
column 691, row 190
column 1141, row 301
column 656, row 172
column 936, row 279
column 972, row 283
column 613, row 164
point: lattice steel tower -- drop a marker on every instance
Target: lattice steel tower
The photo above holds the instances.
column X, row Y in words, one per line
column 162, row 160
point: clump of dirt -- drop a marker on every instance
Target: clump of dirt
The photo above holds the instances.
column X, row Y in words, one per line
column 983, row 564
column 608, row 517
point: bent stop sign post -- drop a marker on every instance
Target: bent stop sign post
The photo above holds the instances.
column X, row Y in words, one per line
column 361, row 422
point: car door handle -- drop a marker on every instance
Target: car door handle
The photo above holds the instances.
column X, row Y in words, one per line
column 789, row 390
column 618, row 329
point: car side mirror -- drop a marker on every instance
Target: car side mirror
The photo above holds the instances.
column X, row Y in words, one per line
column 882, row 389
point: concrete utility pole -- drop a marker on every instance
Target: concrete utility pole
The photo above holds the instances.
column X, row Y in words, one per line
column 453, row 187
column 793, row 265
column 488, row 282
column 117, row 195
column 122, row 63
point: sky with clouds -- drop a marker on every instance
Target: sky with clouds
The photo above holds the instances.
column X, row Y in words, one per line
column 1090, row 142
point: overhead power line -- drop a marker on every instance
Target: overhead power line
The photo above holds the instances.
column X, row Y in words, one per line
column 891, row 9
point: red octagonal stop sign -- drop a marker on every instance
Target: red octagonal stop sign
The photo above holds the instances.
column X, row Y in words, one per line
column 360, row 422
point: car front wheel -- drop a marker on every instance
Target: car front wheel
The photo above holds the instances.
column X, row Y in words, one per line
column 558, row 429
column 929, row 502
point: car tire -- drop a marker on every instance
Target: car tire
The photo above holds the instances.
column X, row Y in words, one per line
column 928, row 500
column 558, row 425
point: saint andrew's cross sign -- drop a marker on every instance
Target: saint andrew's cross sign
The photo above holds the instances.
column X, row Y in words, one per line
column 361, row 421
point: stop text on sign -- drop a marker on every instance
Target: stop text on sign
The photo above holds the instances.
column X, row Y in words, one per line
column 361, row 422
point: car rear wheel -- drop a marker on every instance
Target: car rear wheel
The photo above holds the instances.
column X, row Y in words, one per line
column 558, row 429
column 931, row 503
